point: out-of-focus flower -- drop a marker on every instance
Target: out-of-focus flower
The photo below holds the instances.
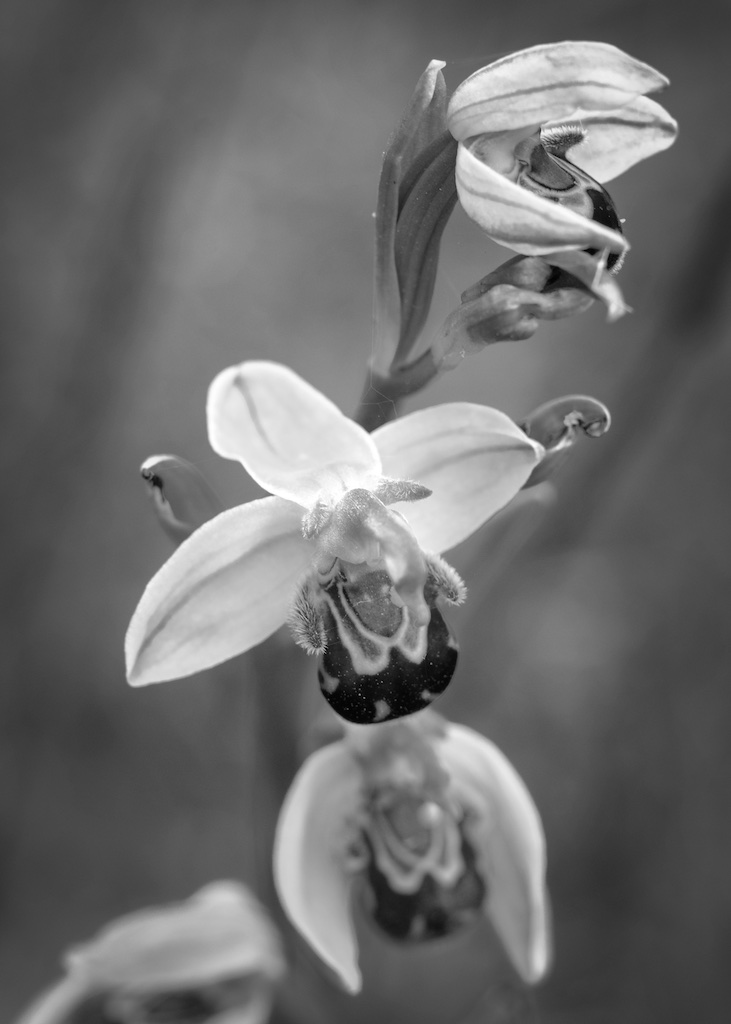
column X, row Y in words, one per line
column 326, row 551
column 213, row 959
column 539, row 129
column 429, row 826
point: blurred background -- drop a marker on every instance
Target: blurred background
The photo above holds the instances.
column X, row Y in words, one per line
column 187, row 184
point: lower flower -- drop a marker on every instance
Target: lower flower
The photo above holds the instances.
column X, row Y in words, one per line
column 430, row 827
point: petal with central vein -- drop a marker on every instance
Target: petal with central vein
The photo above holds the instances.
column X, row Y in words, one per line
column 474, row 459
column 618, row 139
column 527, row 223
column 225, row 589
column 310, row 849
column 506, row 830
column 554, row 81
column 287, row 435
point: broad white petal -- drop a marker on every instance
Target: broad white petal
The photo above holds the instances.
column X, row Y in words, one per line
column 618, row 139
column 474, row 459
column 291, row 439
column 517, row 218
column 220, row 932
column 506, row 829
column 551, row 82
column 310, row 848
column 225, row 589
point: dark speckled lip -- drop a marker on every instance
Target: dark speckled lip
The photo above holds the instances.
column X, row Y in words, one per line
column 400, row 689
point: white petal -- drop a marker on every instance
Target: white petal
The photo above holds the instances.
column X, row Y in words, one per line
column 309, row 858
column 517, row 218
column 291, row 439
column 618, row 139
column 220, row 932
column 225, row 589
column 57, row 1005
column 511, row 846
column 474, row 459
column 551, row 82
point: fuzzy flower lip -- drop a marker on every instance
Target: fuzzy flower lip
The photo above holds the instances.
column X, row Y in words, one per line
column 231, row 583
column 593, row 87
column 315, row 868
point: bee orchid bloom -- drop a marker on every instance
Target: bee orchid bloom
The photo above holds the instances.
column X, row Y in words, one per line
column 213, row 959
column 539, row 129
column 425, row 824
column 331, row 551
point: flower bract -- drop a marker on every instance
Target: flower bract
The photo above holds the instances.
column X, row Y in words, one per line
column 345, row 548
column 426, row 824
column 539, row 130
column 213, row 958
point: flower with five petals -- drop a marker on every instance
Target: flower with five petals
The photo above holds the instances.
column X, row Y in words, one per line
column 536, row 128
column 425, row 828
column 331, row 550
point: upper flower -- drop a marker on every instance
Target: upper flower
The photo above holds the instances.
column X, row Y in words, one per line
column 328, row 550
column 428, row 827
column 536, row 128
column 213, row 958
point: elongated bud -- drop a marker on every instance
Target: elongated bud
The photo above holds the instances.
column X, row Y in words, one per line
column 415, row 199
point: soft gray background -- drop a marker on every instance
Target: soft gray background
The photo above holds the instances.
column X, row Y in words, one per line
column 187, row 184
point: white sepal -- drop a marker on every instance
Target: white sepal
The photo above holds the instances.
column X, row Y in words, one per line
column 287, row 435
column 473, row 458
column 517, row 218
column 310, row 857
column 225, row 589
column 506, row 832
column 550, row 82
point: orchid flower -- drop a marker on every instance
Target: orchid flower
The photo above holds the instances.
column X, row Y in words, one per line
column 330, row 551
column 214, row 958
column 536, row 128
column 424, row 824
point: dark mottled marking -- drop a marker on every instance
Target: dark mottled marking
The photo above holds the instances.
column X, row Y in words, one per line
column 432, row 911
column 605, row 213
column 404, row 685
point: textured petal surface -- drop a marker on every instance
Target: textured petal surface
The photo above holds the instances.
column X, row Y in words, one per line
column 309, row 858
column 511, row 846
column 474, row 459
column 291, row 439
column 521, row 220
column 220, row 932
column 225, row 589
column 551, row 82
column 618, row 139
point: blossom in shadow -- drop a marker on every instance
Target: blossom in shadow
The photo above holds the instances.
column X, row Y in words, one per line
column 427, row 828
column 345, row 549
column 213, row 959
column 539, row 130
